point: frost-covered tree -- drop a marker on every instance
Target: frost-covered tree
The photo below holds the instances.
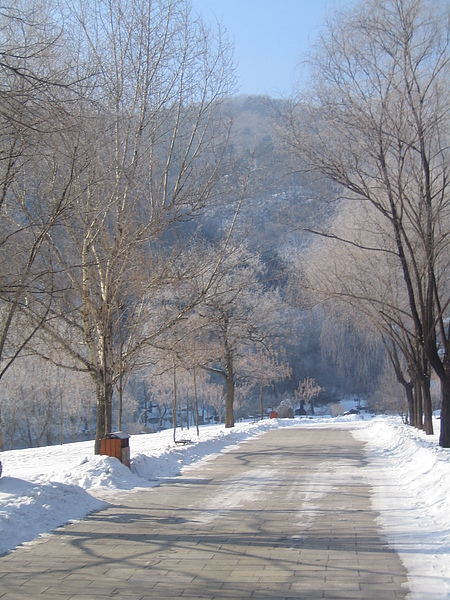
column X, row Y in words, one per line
column 306, row 391
column 376, row 123
column 366, row 288
column 239, row 315
column 150, row 140
column 43, row 405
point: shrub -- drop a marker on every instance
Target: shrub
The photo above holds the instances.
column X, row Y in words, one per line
column 336, row 410
column 285, row 411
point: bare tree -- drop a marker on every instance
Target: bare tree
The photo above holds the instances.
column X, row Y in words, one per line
column 388, row 397
column 215, row 398
column 239, row 316
column 162, row 394
column 344, row 267
column 265, row 366
column 44, row 404
column 378, row 127
column 152, row 139
column 306, row 391
column 38, row 86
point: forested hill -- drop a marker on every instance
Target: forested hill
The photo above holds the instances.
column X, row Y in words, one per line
column 281, row 199
column 282, row 204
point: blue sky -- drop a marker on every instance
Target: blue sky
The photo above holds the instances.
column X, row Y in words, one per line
column 270, row 37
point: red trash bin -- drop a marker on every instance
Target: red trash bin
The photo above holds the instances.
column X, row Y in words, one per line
column 117, row 445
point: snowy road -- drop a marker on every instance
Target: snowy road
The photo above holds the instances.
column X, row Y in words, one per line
column 42, row 488
column 283, row 515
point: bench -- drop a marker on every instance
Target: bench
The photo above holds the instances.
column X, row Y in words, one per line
column 184, row 439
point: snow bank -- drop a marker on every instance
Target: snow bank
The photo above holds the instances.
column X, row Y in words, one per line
column 43, row 488
column 410, row 476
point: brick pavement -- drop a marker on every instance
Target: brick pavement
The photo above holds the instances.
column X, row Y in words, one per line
column 284, row 515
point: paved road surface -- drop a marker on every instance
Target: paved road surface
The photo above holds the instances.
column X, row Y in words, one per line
column 284, row 515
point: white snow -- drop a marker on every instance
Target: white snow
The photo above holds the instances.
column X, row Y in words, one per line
column 43, row 488
column 410, row 476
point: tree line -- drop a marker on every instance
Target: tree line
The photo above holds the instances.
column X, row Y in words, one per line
column 375, row 121
column 115, row 140
column 141, row 234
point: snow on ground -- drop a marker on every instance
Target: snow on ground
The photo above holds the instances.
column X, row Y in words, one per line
column 43, row 488
column 410, row 476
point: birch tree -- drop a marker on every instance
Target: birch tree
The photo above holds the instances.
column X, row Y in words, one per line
column 152, row 138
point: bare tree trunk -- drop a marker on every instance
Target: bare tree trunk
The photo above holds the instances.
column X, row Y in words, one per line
column 408, row 386
column 196, row 402
column 444, row 438
column 229, row 412
column 261, row 400
column 107, row 383
column 427, row 406
column 103, row 424
column 119, row 416
column 100, row 427
column 90, row 419
column 187, row 409
column 119, row 419
column 174, row 409
column 420, row 405
column 104, row 392
column 60, row 417
column 441, row 366
column 410, row 400
column 417, row 404
column 161, row 416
